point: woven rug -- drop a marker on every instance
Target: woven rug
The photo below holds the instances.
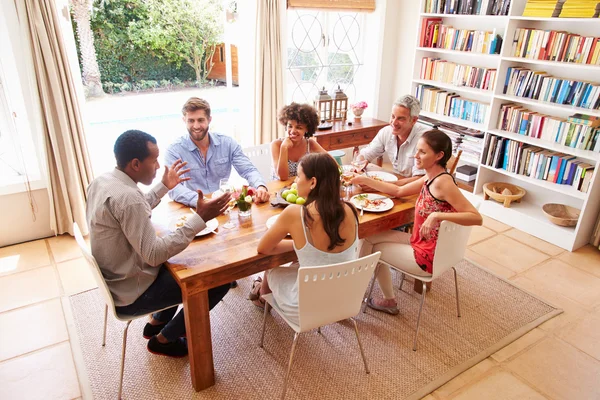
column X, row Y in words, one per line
column 327, row 365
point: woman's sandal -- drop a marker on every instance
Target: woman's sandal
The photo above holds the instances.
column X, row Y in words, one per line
column 254, row 295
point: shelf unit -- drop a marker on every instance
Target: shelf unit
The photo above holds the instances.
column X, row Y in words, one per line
column 526, row 215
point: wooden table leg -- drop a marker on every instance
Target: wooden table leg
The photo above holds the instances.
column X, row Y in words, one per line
column 418, row 286
column 197, row 322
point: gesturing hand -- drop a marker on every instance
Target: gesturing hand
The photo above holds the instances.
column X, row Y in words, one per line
column 209, row 209
column 172, row 176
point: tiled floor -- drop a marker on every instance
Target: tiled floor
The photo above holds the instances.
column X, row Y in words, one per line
column 558, row 360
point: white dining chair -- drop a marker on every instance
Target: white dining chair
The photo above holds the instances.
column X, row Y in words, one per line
column 261, row 158
column 450, row 249
column 326, row 294
column 108, row 300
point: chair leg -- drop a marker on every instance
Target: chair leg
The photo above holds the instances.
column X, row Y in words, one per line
column 456, row 286
column 105, row 321
column 362, row 352
column 319, row 330
column 364, row 306
column 262, row 335
column 123, row 358
column 287, row 374
column 401, row 282
column 419, row 317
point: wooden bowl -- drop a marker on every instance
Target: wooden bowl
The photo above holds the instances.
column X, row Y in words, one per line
column 561, row 214
column 495, row 189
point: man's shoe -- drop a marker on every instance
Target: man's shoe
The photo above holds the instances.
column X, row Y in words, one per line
column 388, row 306
column 151, row 330
column 175, row 349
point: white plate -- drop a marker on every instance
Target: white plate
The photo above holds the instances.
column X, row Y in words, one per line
column 179, row 222
column 384, row 176
column 387, row 204
column 271, row 221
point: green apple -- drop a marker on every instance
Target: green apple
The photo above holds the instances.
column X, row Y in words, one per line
column 294, row 191
column 300, row 200
column 291, row 198
column 285, row 193
column 294, row 185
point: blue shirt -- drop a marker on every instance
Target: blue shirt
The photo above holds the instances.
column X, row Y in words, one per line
column 223, row 153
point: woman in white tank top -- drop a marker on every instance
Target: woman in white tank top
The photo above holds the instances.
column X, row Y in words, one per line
column 324, row 231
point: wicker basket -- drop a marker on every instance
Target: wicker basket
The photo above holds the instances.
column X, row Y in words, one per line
column 495, row 189
column 561, row 214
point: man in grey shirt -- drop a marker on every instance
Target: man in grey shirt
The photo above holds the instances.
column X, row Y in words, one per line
column 126, row 247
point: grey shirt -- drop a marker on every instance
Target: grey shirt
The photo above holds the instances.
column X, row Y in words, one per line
column 123, row 239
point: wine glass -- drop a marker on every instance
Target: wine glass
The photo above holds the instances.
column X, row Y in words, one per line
column 346, row 177
column 359, row 163
column 226, row 187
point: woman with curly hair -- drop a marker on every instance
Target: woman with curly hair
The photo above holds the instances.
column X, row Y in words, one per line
column 301, row 121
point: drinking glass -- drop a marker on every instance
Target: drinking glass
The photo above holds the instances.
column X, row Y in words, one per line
column 359, row 163
column 226, row 187
column 346, row 177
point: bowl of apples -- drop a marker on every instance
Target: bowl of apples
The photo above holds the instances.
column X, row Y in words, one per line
column 287, row 196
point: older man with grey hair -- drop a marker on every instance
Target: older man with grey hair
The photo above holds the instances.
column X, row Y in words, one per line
column 399, row 139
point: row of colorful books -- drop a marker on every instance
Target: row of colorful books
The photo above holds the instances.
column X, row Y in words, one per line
column 439, row 101
column 435, row 69
column 435, row 34
column 535, row 162
column 468, row 7
column 538, row 85
column 560, row 46
column 542, row 8
column 580, row 9
column 578, row 131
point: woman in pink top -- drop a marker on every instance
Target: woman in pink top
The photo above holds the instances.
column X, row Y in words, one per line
column 439, row 200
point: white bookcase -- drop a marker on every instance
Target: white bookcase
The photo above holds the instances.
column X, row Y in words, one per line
column 526, row 216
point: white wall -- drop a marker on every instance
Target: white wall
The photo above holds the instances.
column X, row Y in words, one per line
column 18, row 223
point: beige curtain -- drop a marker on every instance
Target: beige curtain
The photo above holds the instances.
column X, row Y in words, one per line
column 68, row 164
column 269, row 71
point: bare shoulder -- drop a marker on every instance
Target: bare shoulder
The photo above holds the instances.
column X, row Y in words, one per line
column 275, row 144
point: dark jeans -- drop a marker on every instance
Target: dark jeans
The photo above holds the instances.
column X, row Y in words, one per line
column 165, row 292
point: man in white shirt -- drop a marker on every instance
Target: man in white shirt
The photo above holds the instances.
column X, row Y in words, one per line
column 125, row 245
column 399, row 140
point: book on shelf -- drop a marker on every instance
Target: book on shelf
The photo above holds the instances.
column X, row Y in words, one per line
column 435, row 34
column 538, row 85
column 577, row 131
column 436, row 69
column 439, row 101
column 542, row 8
column 468, row 7
column 550, row 45
column 465, row 139
column 580, row 9
column 537, row 163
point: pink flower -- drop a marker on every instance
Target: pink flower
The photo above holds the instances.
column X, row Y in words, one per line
column 361, row 104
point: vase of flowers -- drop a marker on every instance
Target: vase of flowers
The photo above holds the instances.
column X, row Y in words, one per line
column 358, row 109
column 244, row 201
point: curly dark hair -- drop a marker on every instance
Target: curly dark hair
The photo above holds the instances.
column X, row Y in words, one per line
column 130, row 145
column 301, row 113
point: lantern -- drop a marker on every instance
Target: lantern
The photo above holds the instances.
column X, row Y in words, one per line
column 323, row 105
column 340, row 105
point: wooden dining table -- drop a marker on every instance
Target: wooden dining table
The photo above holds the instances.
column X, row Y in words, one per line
column 230, row 254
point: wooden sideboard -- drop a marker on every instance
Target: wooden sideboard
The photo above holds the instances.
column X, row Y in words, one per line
column 343, row 135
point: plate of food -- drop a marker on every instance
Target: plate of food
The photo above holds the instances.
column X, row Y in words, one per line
column 179, row 222
column 372, row 202
column 382, row 176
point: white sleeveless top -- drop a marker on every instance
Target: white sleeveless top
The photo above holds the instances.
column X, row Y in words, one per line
column 283, row 280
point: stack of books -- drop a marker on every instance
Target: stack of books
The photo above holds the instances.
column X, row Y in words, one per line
column 537, row 163
column 550, row 45
column 580, row 9
column 435, row 69
column 439, row 101
column 538, row 85
column 437, row 35
column 578, row 131
column 468, row 7
column 542, row 8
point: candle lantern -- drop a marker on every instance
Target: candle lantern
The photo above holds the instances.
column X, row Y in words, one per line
column 340, row 105
column 323, row 105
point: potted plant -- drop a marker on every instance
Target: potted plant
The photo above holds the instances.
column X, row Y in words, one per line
column 358, row 109
column 243, row 200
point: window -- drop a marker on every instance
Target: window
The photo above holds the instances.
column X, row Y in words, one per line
column 324, row 49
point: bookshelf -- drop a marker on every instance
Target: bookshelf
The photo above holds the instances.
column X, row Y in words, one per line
column 527, row 215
